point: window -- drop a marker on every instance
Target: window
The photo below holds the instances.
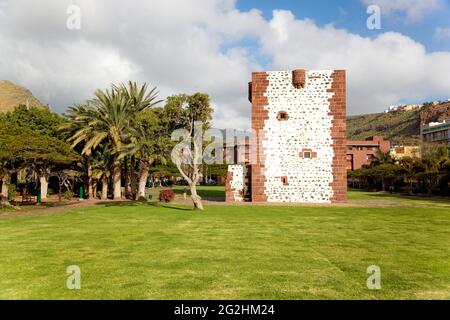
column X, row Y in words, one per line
column 284, row 181
column 282, row 116
column 308, row 154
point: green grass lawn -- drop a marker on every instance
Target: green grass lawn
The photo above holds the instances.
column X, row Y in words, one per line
column 140, row 251
column 207, row 192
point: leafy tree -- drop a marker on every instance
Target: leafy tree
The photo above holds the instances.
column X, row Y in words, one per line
column 40, row 120
column 432, row 166
column 193, row 113
column 23, row 147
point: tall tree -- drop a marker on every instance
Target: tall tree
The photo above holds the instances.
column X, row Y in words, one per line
column 101, row 165
column 42, row 122
column 109, row 118
column 141, row 99
column 150, row 142
column 193, row 113
column 77, row 118
column 24, row 147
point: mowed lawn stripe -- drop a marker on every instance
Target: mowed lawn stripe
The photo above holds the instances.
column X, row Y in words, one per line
column 227, row 252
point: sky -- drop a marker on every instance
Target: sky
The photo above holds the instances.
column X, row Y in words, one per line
column 212, row 46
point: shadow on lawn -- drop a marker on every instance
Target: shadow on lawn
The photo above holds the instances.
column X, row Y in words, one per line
column 141, row 203
column 409, row 197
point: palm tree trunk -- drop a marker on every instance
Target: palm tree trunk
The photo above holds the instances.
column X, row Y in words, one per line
column 90, row 180
column 127, row 178
column 143, row 176
column 104, row 187
column 133, row 177
column 94, row 189
column 117, row 168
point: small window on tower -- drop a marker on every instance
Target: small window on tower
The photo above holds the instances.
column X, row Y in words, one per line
column 284, row 181
column 282, row 116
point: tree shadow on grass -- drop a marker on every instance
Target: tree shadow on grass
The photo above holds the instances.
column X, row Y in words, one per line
column 410, row 197
column 141, row 203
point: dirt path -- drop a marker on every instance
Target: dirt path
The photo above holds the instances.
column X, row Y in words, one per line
column 35, row 211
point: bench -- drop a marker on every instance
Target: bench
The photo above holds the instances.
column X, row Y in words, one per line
column 28, row 198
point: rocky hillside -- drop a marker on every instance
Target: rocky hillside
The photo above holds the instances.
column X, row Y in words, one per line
column 12, row 95
column 400, row 127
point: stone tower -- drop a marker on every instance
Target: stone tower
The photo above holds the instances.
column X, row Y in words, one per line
column 299, row 118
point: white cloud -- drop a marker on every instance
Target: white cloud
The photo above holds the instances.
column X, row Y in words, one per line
column 389, row 69
column 200, row 46
column 411, row 10
column 441, row 33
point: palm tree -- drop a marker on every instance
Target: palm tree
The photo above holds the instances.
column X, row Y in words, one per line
column 77, row 119
column 431, row 166
column 150, row 148
column 141, row 100
column 108, row 120
column 109, row 117
column 101, row 169
column 409, row 166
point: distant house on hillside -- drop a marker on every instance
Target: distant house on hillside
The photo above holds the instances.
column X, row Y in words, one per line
column 408, row 107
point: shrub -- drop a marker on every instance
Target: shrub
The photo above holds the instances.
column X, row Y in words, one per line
column 166, row 195
column 142, row 199
column 11, row 191
column 68, row 195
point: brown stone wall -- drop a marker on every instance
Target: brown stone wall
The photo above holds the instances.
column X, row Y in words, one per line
column 229, row 197
column 338, row 134
column 259, row 115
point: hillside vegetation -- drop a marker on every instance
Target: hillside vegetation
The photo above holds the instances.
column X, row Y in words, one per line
column 12, row 95
column 401, row 127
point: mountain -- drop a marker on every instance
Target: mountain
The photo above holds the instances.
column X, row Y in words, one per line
column 401, row 128
column 12, row 95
